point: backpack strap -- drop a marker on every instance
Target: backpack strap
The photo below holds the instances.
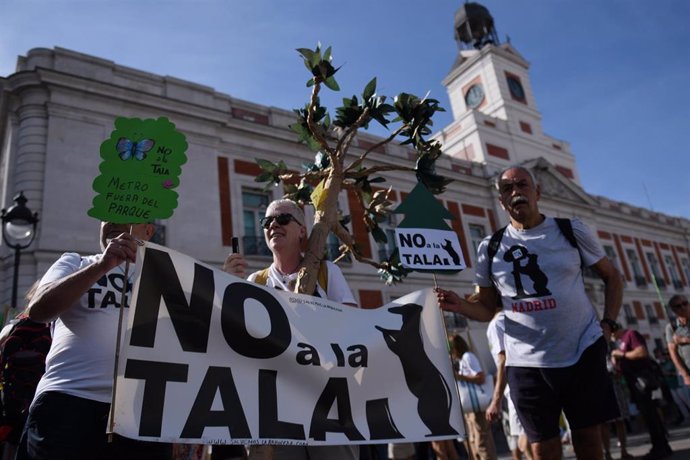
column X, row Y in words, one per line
column 566, row 228
column 262, row 276
column 494, row 243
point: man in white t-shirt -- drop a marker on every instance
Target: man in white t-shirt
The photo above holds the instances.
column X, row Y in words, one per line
column 516, row 436
column 553, row 341
column 82, row 295
column 285, row 233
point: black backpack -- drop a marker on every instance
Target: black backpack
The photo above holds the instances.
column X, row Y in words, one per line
column 22, row 364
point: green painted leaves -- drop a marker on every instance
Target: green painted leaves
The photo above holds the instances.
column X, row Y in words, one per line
column 142, row 162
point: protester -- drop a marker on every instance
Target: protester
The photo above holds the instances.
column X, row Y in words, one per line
column 495, row 332
column 480, row 439
column 619, row 422
column 634, row 361
column 285, row 232
column 554, row 344
column 24, row 344
column 69, row 413
column 678, row 340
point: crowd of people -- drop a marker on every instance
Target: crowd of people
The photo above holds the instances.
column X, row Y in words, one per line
column 559, row 366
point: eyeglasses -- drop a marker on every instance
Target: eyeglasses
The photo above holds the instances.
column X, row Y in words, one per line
column 684, row 303
column 281, row 219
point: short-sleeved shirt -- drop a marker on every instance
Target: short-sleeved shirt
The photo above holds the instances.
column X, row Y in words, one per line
column 676, row 328
column 549, row 320
column 630, row 340
column 469, row 365
column 81, row 359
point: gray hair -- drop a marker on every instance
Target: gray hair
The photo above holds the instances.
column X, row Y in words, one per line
column 519, row 168
column 295, row 210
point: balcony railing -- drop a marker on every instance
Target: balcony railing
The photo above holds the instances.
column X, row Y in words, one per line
column 640, row 281
column 630, row 320
column 678, row 285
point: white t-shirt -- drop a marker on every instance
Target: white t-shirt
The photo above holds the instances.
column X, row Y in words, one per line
column 82, row 356
column 338, row 290
column 549, row 320
column 469, row 365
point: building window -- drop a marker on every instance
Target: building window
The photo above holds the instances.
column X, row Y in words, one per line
column 613, row 257
column 675, row 279
column 630, row 318
column 686, row 268
column 640, row 280
column 477, row 234
column 656, row 273
column 254, row 204
column 385, row 250
column 651, row 315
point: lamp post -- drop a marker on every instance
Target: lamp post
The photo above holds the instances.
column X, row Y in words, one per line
column 18, row 232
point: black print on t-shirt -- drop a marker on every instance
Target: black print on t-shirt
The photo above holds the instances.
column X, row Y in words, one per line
column 107, row 291
column 517, row 254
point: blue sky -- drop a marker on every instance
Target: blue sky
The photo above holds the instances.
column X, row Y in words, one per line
column 610, row 76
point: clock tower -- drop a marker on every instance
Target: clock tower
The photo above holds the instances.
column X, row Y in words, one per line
column 495, row 116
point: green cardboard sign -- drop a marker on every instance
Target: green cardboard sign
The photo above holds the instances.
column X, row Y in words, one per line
column 142, row 162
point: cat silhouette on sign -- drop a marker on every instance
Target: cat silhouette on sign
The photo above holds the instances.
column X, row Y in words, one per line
column 423, row 379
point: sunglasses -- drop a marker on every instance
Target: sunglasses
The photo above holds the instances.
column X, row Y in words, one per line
column 281, row 219
column 680, row 304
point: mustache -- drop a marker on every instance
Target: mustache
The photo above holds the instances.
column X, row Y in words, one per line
column 518, row 200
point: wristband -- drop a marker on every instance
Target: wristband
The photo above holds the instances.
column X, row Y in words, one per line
column 613, row 326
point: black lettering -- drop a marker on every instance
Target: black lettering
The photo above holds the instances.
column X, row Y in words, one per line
column 155, row 375
column 405, row 240
column 308, row 356
column 217, row 379
column 336, row 392
column 269, row 425
column 191, row 321
column 380, row 420
column 235, row 328
column 110, row 298
column 339, row 355
column 359, row 358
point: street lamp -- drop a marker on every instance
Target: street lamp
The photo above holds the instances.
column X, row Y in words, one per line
column 18, row 232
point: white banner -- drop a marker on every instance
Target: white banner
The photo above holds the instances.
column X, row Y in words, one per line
column 210, row 358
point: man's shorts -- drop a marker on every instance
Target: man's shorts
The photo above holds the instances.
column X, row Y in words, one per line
column 583, row 391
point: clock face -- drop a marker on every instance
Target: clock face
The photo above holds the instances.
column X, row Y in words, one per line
column 516, row 88
column 474, row 96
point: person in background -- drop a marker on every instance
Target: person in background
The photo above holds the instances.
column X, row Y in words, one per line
column 495, row 335
column 635, row 362
column 480, row 439
column 678, row 341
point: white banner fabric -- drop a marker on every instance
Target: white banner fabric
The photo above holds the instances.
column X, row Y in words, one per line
column 210, row 358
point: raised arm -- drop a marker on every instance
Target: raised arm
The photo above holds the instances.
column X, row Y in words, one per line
column 55, row 297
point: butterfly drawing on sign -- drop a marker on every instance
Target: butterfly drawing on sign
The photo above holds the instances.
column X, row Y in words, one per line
column 126, row 148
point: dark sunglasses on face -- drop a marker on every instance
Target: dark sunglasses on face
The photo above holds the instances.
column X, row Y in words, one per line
column 281, row 219
column 680, row 304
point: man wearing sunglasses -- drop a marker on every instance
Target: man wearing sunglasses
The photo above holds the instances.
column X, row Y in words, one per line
column 285, row 235
column 678, row 340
